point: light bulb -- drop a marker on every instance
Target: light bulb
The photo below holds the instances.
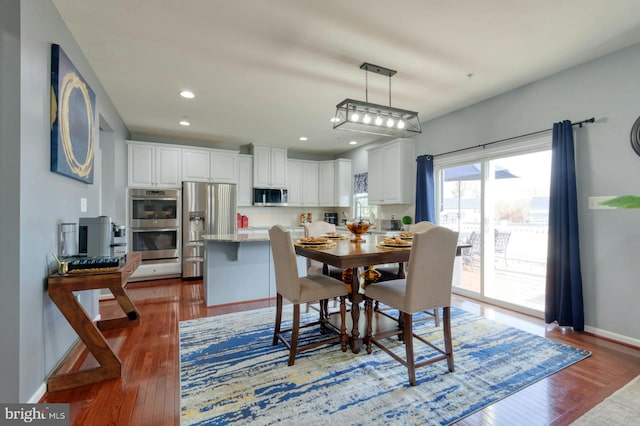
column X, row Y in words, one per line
column 366, row 119
column 378, row 121
column 355, row 116
column 400, row 124
column 390, row 122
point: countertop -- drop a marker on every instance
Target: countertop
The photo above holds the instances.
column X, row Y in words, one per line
column 244, row 238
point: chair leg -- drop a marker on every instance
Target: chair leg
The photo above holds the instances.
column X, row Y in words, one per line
column 436, row 316
column 276, row 331
column 295, row 329
column 408, row 344
column 368, row 309
column 448, row 345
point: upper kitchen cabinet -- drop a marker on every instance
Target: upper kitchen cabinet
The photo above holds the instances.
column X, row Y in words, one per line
column 392, row 173
column 303, row 182
column 153, row 165
column 269, row 166
column 334, row 188
column 209, row 165
column 245, row 180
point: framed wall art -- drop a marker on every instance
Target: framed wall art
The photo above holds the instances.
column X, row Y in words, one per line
column 73, row 128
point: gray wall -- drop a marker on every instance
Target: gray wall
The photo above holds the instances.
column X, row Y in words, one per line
column 9, row 190
column 607, row 89
column 34, row 332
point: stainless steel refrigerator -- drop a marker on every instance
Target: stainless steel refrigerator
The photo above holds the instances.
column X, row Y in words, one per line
column 207, row 208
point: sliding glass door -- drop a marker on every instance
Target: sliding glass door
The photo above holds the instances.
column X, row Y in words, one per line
column 499, row 206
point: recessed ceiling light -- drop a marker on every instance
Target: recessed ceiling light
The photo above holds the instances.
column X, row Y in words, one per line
column 184, row 122
column 187, row 94
column 353, row 143
column 303, row 138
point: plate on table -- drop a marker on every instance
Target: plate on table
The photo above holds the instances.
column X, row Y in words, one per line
column 336, row 236
column 397, row 245
column 313, row 241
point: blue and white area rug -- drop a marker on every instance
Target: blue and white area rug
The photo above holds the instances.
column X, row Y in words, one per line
column 230, row 374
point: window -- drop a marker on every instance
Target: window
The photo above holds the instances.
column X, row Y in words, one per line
column 497, row 200
column 361, row 207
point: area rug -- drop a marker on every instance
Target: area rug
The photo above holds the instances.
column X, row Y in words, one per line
column 621, row 408
column 231, row 374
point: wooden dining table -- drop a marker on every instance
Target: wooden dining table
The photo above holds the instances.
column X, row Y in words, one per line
column 347, row 254
column 367, row 253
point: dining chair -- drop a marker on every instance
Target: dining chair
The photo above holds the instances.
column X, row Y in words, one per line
column 300, row 290
column 318, row 229
column 394, row 272
column 427, row 287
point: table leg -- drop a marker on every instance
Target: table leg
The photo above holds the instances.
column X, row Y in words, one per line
column 133, row 316
column 110, row 365
column 355, row 341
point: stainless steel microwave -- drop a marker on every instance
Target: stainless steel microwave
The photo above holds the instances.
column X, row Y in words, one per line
column 270, row 197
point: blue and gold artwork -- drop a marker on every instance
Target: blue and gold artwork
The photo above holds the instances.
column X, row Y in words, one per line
column 73, row 133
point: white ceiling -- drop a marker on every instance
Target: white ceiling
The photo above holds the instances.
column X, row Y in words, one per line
column 270, row 71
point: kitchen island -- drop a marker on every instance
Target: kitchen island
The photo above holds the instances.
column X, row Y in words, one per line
column 239, row 267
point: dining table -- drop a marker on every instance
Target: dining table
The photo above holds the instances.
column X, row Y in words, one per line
column 355, row 259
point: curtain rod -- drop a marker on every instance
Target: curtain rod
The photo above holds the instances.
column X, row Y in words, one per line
column 484, row 145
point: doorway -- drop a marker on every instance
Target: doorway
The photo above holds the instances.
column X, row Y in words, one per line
column 499, row 205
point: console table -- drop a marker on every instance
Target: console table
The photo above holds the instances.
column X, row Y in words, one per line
column 61, row 288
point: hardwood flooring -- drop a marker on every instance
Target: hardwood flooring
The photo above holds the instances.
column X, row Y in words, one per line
column 148, row 392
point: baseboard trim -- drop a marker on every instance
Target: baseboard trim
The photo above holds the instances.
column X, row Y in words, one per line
column 37, row 396
column 613, row 337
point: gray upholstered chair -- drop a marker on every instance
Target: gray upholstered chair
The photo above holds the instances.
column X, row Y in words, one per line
column 427, row 286
column 302, row 290
column 393, row 272
column 318, row 229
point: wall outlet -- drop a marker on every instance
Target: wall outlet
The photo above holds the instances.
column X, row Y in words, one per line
column 594, row 202
column 83, row 205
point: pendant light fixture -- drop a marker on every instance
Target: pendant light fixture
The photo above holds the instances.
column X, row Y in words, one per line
column 365, row 117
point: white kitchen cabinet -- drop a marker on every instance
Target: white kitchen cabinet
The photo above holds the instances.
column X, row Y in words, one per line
column 303, row 182
column 209, row 165
column 326, row 190
column 343, row 185
column 392, row 173
column 269, row 166
column 153, row 165
column 334, row 186
column 244, row 180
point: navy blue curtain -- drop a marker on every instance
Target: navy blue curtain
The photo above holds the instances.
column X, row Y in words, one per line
column 564, row 279
column 425, row 190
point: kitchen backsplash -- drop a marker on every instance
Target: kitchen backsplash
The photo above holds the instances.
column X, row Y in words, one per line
column 260, row 217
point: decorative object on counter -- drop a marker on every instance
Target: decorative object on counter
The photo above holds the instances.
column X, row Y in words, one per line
column 68, row 240
column 357, row 228
column 365, row 117
column 303, row 218
column 406, row 220
column 344, row 218
column 309, row 217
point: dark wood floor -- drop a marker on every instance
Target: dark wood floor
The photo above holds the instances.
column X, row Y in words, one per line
column 148, row 392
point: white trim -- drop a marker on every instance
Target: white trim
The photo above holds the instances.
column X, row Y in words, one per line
column 37, row 396
column 617, row 338
column 523, row 145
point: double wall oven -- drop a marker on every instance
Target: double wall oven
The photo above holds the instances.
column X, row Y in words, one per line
column 154, row 224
